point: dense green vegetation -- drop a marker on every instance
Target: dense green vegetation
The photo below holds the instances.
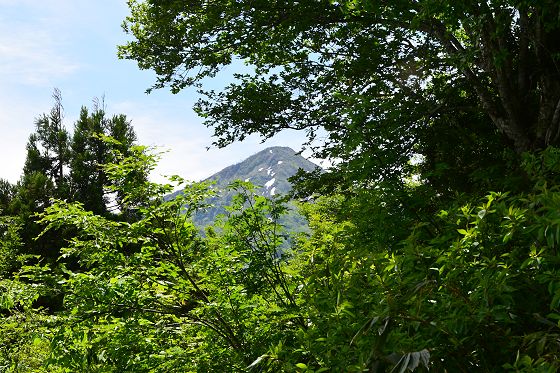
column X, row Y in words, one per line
column 433, row 241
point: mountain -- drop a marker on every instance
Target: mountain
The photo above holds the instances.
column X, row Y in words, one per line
column 269, row 169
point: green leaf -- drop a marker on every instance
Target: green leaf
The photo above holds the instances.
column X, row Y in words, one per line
column 482, row 214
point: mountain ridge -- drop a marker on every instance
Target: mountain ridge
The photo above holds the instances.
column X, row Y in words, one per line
column 268, row 169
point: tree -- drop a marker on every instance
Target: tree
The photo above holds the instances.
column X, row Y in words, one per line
column 7, row 191
column 48, row 148
column 45, row 176
column 89, row 152
column 409, row 265
column 60, row 165
column 472, row 288
column 374, row 75
column 180, row 301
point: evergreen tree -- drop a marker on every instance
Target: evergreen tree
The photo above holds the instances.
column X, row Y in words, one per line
column 7, row 191
column 120, row 129
column 89, row 151
column 48, row 148
column 63, row 166
column 45, row 176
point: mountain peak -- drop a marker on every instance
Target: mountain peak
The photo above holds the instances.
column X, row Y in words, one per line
column 270, row 168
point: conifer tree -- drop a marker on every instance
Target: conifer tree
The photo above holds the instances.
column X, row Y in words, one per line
column 48, row 148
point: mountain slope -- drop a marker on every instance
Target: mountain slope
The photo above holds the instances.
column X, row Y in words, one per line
column 269, row 169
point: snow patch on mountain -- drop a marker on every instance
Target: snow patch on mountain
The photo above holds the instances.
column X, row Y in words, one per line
column 270, row 182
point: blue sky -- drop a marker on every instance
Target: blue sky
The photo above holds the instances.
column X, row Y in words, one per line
column 71, row 45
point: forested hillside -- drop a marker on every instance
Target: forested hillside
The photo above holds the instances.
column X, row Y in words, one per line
column 433, row 241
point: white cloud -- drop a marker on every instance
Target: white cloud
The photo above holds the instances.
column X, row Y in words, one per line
column 32, row 43
column 31, row 58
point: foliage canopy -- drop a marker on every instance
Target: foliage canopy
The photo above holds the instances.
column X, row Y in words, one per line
column 374, row 74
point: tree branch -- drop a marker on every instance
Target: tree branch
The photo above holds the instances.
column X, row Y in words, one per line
column 510, row 126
